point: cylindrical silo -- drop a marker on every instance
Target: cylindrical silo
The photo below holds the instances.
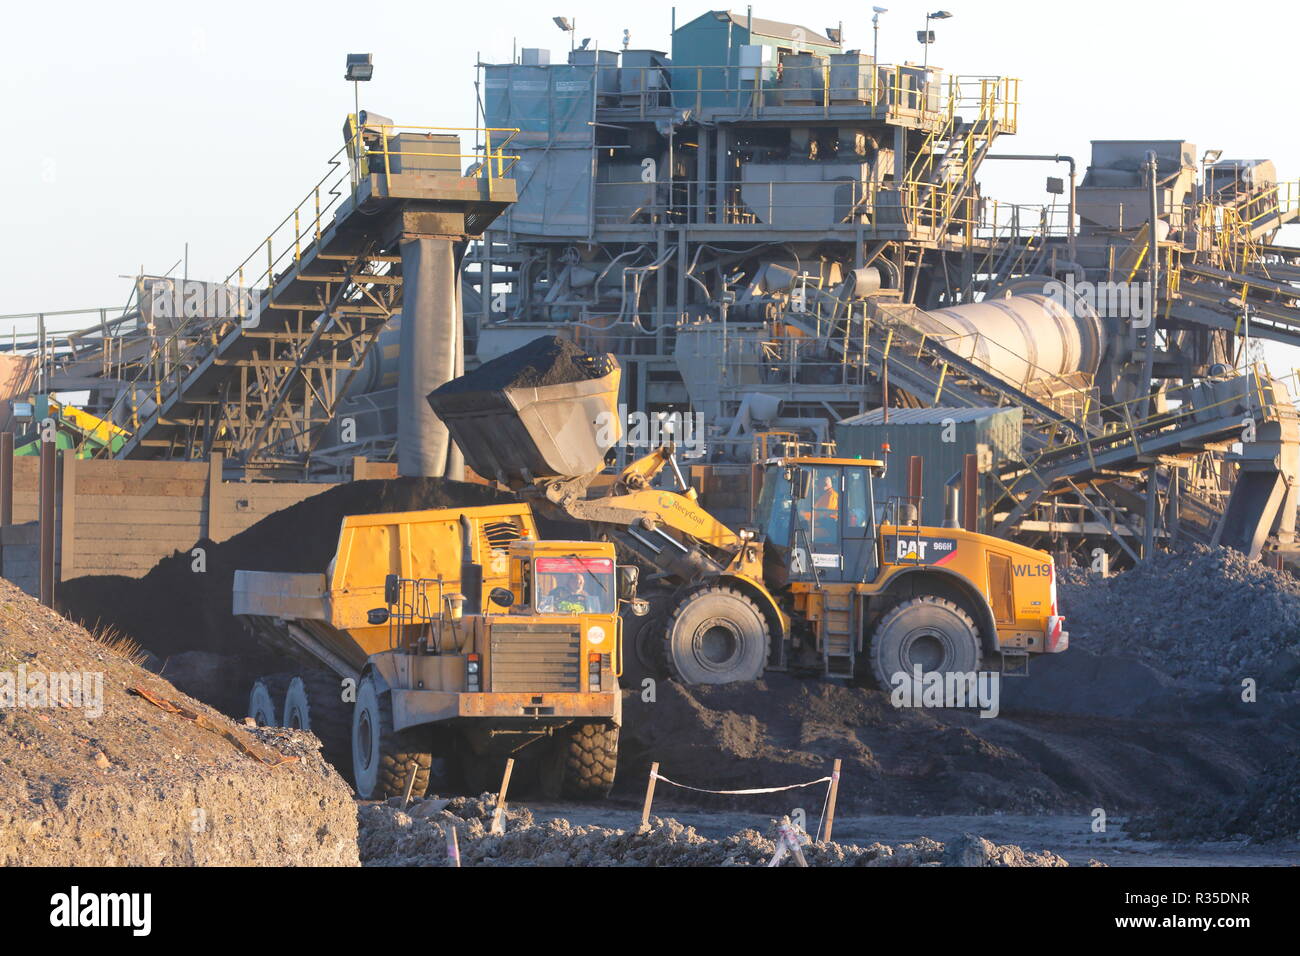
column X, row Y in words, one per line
column 1020, row 338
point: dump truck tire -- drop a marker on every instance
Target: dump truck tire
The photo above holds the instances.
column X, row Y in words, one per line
column 266, row 700
column 314, row 701
column 716, row 636
column 930, row 631
column 383, row 758
column 581, row 763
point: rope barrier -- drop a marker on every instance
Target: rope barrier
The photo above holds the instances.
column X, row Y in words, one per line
column 793, row 786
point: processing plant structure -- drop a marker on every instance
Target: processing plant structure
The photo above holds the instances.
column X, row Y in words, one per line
column 783, row 239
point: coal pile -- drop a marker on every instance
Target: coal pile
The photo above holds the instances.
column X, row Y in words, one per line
column 177, row 612
column 1200, row 614
column 417, row 836
column 547, row 360
column 1268, row 810
column 784, row 730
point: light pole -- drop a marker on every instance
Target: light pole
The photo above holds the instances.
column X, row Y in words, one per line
column 359, row 69
column 568, row 26
column 926, row 37
column 875, row 34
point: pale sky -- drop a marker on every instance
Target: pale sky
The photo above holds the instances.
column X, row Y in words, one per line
column 140, row 126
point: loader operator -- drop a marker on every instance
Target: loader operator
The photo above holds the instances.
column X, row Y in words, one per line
column 823, row 518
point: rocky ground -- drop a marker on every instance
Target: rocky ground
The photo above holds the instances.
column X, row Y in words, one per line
column 106, row 777
column 418, row 836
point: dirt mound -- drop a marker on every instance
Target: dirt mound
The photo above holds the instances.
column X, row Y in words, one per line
column 1201, row 614
column 176, row 610
column 417, row 836
column 547, row 360
column 1268, row 810
column 784, row 730
column 93, row 773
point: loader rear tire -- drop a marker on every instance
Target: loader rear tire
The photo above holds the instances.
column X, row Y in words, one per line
column 266, row 700
column 929, row 631
column 716, row 635
column 581, row 763
column 314, row 701
column 383, row 759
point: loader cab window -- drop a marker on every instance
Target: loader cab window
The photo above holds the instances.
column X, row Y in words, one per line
column 574, row 585
column 819, row 509
column 775, row 506
column 856, row 503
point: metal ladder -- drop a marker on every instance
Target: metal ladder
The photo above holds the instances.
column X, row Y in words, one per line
column 839, row 633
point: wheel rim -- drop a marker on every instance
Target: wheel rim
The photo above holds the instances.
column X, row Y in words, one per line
column 925, row 648
column 716, row 644
column 365, row 739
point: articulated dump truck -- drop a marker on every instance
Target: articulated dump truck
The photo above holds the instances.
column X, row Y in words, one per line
column 450, row 639
column 825, row 580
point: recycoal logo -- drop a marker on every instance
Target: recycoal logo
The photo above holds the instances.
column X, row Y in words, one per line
column 957, row 689
column 44, row 689
column 76, row 909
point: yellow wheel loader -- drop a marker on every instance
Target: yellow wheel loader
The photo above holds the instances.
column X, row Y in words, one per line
column 827, row 580
column 451, row 639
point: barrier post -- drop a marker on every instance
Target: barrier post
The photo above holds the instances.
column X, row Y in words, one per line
column 649, row 794
column 830, row 801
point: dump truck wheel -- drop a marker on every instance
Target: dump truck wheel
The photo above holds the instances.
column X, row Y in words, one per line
column 314, row 701
column 716, row 636
column 581, row 763
column 930, row 631
column 265, row 700
column 383, row 758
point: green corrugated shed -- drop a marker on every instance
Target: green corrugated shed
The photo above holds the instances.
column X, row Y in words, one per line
column 942, row 437
column 714, row 40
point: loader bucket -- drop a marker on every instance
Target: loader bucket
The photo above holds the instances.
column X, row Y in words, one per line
column 545, row 410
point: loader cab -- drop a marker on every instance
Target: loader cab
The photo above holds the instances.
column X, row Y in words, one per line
column 817, row 518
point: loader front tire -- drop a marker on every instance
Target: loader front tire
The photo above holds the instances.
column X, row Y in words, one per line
column 383, row 759
column 930, row 632
column 716, row 635
column 581, row 763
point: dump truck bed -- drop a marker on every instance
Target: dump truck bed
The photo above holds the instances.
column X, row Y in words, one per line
column 326, row 611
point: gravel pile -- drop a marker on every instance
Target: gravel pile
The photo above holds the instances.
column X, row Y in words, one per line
column 1201, row 614
column 1268, row 810
column 417, row 836
column 103, row 776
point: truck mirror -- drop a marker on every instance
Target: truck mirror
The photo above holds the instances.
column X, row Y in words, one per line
column 377, row 616
column 391, row 590
column 628, row 575
column 501, row 596
column 640, row 607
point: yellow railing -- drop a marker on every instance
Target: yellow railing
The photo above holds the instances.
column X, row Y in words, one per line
column 302, row 225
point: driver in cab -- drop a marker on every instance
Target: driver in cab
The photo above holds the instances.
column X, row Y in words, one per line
column 568, row 596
